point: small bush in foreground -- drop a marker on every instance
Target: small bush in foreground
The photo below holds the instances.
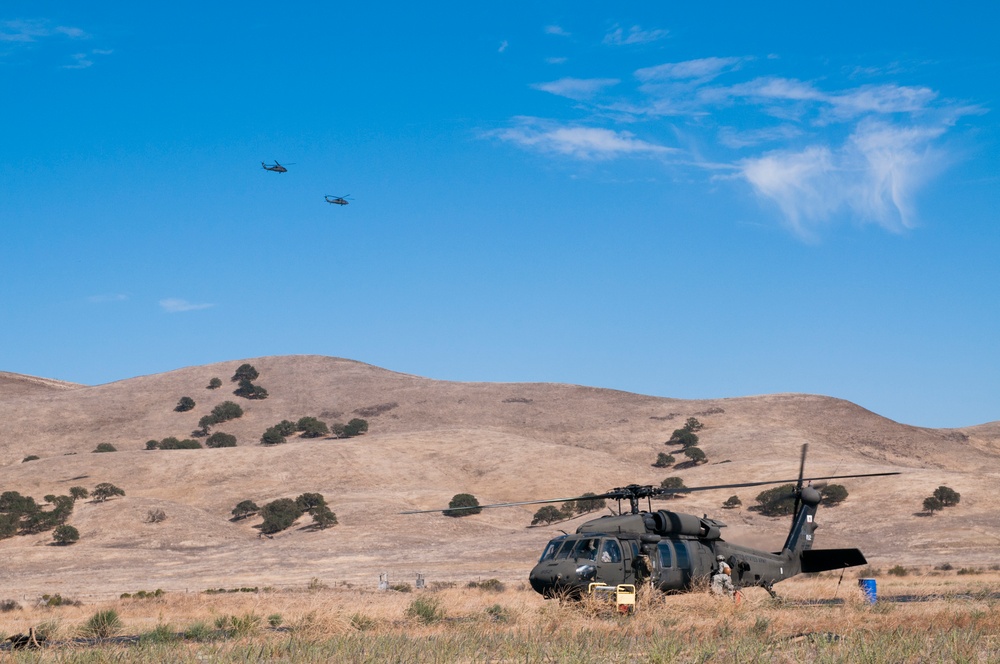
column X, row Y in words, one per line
column 103, row 624
column 425, row 609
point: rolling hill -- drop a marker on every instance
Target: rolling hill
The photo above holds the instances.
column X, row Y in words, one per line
column 427, row 441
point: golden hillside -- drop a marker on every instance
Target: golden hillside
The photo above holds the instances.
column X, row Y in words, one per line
column 429, row 440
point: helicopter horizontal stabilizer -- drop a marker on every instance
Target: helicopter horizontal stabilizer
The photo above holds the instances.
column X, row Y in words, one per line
column 822, row 560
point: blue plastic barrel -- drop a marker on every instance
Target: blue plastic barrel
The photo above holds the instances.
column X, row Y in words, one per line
column 868, row 589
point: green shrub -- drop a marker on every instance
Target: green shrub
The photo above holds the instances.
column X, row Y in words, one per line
column 215, row 383
column 272, row 437
column 103, row 625
column 275, row 620
column 425, row 609
column 401, row 587
column 898, row 570
column 244, row 509
column 225, row 411
column 493, row 585
column 105, row 447
column 663, row 460
column 8, row 605
column 732, row 502
column 498, row 613
column 198, row 631
column 312, row 427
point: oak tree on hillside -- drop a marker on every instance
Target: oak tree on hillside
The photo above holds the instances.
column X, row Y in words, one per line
column 65, row 535
column 104, row 491
column 184, row 405
column 312, row 427
column 78, row 492
column 214, row 384
column 245, row 371
column 547, row 514
column 225, row 411
column 244, row 509
column 219, row 439
column 355, row 427
column 463, row 504
column 105, row 447
column 279, row 515
column 272, row 436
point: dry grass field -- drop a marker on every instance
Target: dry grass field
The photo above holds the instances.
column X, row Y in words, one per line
column 817, row 620
column 429, row 440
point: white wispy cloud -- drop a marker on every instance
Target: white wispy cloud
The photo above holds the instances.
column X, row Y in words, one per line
column 576, row 88
column 556, row 60
column 82, row 60
column 556, row 30
column 702, row 69
column 580, row 142
column 503, row 46
column 874, row 176
column 173, row 305
column 819, row 152
column 31, row 30
column 635, row 35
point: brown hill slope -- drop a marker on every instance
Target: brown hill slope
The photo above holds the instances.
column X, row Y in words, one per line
column 429, row 440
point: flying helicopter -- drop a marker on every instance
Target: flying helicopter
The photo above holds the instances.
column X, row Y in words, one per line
column 671, row 551
column 277, row 168
column 337, row 200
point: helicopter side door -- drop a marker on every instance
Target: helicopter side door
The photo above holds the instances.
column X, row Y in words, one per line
column 610, row 562
column 674, row 565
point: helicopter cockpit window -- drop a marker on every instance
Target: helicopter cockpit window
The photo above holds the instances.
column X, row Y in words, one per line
column 566, row 550
column 611, row 552
column 586, row 549
column 550, row 550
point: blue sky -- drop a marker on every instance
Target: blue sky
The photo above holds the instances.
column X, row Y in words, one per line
column 672, row 200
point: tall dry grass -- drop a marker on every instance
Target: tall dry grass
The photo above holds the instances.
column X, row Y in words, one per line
column 960, row 622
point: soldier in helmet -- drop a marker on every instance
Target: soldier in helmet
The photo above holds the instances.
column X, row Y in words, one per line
column 722, row 582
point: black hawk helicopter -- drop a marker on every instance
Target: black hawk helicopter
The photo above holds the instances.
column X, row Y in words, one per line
column 671, row 550
column 277, row 168
column 337, row 200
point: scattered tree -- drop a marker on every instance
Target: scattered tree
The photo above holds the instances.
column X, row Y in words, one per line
column 312, row 427
column 696, row 455
column 948, row 496
column 152, row 444
column 672, row 483
column 172, row 443
column 225, row 411
column 105, row 490
column 355, row 427
column 215, row 383
column 64, row 535
column 285, row 428
column 732, row 502
column 184, row 405
column 272, row 437
column 463, row 504
column 105, row 447
column 244, row 509
column 547, row 514
column 932, row 504
column 204, row 425
column 663, row 460
column 586, row 503
column 307, row 502
column 219, row 439
column 245, row 371
column 684, row 438
column 279, row 515
column 78, row 492
column 323, row 517
column 248, row 390
column 833, row 494
column 777, row 501
column 693, row 424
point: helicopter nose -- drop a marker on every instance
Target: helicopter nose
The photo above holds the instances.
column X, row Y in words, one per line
column 544, row 579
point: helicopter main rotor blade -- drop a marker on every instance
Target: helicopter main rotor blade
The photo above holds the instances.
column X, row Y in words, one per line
column 517, row 504
column 791, row 481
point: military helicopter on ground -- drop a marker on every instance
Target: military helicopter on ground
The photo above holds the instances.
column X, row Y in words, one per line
column 337, row 200
column 671, row 550
column 277, row 168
